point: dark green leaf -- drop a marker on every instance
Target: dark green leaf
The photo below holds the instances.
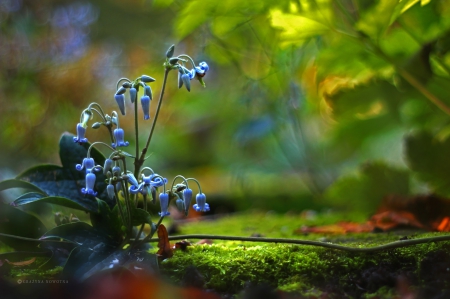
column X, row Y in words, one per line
column 16, row 222
column 66, row 181
column 365, row 191
column 14, row 183
column 84, row 204
column 430, row 159
column 139, row 216
column 108, row 221
column 125, row 258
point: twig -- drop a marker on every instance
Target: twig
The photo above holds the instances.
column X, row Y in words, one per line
column 392, row 245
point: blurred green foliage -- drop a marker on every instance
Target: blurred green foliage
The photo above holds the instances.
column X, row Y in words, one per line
column 299, row 95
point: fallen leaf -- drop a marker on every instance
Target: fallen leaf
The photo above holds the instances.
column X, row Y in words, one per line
column 182, row 245
column 391, row 219
column 24, row 263
column 165, row 251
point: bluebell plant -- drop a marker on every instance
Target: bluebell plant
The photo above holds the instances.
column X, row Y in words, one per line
column 109, row 187
column 125, row 186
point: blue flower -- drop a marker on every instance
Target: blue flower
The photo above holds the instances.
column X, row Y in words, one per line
column 145, row 102
column 185, row 78
column 110, row 191
column 201, row 205
column 187, row 195
column 107, row 166
column 201, row 69
column 120, row 99
column 148, row 92
column 90, row 183
column 88, row 164
column 164, row 202
column 119, row 135
column 81, row 131
column 133, row 94
column 147, row 79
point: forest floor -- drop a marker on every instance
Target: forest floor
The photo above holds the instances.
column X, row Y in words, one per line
column 238, row 269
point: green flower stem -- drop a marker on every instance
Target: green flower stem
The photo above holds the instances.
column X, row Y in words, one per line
column 119, row 205
column 138, row 163
column 127, row 199
column 37, row 240
column 137, row 167
column 16, row 254
column 148, row 238
column 388, row 246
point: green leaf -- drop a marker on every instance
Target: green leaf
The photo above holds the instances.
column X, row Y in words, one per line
column 364, row 191
column 14, row 183
column 84, row 204
column 16, row 222
column 125, row 258
column 429, row 158
column 108, row 221
column 140, row 216
column 66, row 181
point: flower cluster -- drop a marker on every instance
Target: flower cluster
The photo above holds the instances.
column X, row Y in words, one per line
column 125, row 187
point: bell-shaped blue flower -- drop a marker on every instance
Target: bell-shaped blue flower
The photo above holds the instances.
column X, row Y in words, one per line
column 120, row 99
column 145, row 102
column 119, row 135
column 90, row 183
column 88, row 164
column 133, row 94
column 201, row 205
column 81, row 131
column 187, row 195
column 164, row 202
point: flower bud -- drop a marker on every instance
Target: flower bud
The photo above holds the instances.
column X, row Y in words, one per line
column 107, row 166
column 96, row 125
column 133, row 94
column 147, row 79
column 187, row 81
column 120, row 99
column 174, row 60
column 148, row 92
column 126, row 85
column 121, row 90
column 132, row 180
column 180, row 82
column 145, row 102
column 180, row 205
column 187, row 195
column 110, row 191
column 170, row 51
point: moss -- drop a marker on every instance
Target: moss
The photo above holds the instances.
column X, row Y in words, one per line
column 229, row 266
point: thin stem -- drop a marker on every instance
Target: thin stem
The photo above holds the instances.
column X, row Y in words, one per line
column 148, row 238
column 136, row 130
column 119, row 204
column 120, row 80
column 392, row 245
column 144, row 150
column 37, row 240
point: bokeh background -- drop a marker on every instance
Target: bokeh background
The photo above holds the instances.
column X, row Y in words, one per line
column 313, row 104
